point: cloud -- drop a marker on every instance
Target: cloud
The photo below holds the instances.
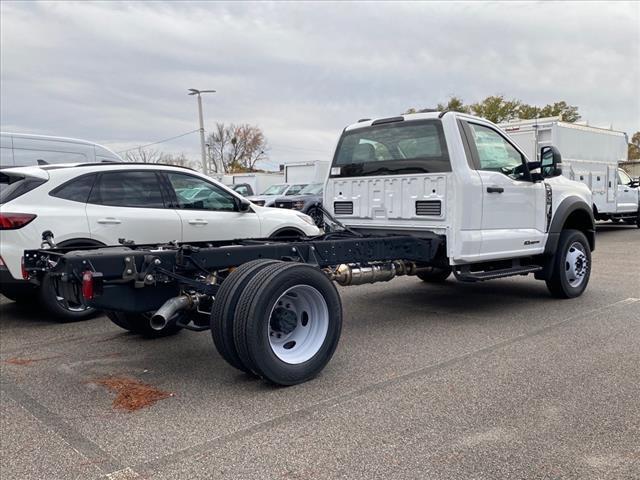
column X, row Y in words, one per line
column 117, row 73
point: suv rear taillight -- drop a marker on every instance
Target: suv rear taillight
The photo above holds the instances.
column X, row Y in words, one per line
column 14, row 221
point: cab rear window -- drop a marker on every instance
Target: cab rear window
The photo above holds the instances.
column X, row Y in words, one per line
column 394, row 148
column 14, row 186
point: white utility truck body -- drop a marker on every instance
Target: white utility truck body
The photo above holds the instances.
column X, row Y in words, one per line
column 306, row 172
column 259, row 181
column 590, row 155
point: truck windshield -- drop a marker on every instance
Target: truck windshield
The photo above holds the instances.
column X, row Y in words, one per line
column 312, row 189
column 399, row 148
column 275, row 190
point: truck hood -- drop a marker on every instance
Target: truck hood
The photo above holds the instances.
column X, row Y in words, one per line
column 297, row 198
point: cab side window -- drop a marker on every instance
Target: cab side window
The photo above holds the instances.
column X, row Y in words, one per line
column 194, row 193
column 495, row 153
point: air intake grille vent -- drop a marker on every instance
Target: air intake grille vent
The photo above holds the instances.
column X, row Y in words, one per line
column 432, row 208
column 343, row 208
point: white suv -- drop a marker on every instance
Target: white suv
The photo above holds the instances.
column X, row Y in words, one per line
column 98, row 204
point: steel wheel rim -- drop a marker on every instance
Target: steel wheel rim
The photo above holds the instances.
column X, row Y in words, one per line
column 70, row 307
column 576, row 264
column 298, row 324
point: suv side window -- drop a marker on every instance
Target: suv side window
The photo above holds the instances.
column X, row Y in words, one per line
column 495, row 153
column 76, row 190
column 128, row 189
column 195, row 193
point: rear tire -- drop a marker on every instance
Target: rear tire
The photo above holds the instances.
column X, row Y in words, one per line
column 140, row 323
column 224, row 309
column 434, row 275
column 288, row 323
column 55, row 305
column 571, row 265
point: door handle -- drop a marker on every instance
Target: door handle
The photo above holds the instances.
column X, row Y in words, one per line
column 495, row 189
column 109, row 221
column 626, row 189
column 198, row 222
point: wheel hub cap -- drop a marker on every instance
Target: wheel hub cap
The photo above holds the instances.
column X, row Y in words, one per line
column 298, row 324
column 576, row 264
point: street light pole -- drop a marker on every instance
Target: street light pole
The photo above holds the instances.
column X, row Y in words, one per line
column 203, row 151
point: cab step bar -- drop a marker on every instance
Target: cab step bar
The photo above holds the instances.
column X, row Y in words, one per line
column 466, row 275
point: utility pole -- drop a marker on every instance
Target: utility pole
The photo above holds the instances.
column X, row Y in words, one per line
column 203, row 151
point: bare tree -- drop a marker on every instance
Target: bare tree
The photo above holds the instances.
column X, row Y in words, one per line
column 237, row 147
column 142, row 155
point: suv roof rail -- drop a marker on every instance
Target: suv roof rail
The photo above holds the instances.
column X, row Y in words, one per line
column 108, row 163
column 442, row 113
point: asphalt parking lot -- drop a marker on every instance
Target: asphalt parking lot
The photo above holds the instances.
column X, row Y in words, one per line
column 455, row 381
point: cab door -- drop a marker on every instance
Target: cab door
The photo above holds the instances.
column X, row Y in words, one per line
column 627, row 195
column 208, row 212
column 513, row 207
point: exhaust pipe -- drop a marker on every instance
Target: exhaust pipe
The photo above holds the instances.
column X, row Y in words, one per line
column 166, row 312
column 378, row 272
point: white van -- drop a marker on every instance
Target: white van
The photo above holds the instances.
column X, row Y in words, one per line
column 20, row 150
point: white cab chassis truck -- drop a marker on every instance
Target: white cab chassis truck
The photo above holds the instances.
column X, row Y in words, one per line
column 590, row 155
column 425, row 195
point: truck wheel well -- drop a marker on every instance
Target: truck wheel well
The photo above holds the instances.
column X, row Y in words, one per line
column 581, row 220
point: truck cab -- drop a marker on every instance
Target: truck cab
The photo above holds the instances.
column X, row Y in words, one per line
column 459, row 176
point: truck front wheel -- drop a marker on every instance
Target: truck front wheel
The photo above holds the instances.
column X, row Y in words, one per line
column 571, row 265
column 287, row 323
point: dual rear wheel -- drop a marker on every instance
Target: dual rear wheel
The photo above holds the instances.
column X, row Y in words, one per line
column 280, row 321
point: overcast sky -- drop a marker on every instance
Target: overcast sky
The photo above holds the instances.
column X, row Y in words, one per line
column 117, row 73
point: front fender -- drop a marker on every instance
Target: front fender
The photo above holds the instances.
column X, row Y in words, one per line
column 565, row 216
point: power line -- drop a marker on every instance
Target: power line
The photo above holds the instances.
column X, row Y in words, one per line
column 159, row 141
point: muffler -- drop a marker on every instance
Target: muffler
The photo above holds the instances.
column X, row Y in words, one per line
column 168, row 311
column 376, row 272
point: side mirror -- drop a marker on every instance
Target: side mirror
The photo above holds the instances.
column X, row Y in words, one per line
column 244, row 204
column 550, row 162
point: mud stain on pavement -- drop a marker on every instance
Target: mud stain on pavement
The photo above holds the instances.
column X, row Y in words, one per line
column 27, row 361
column 132, row 395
